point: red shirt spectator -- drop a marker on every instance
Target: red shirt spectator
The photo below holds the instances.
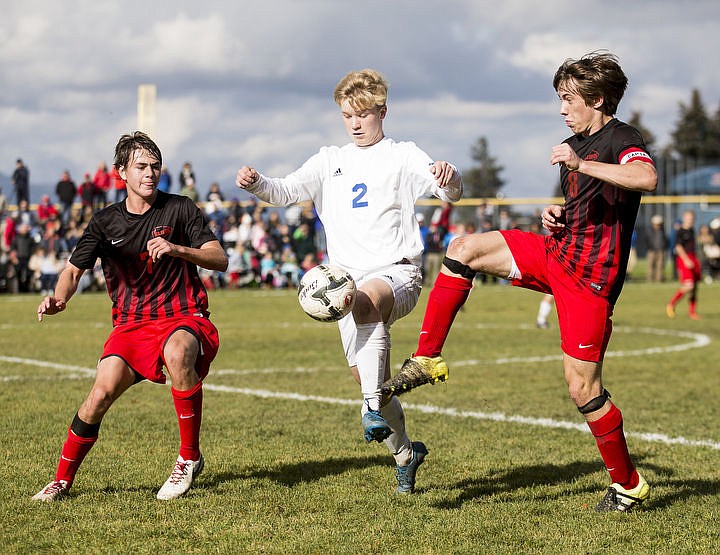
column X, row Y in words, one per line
column 87, row 191
column 45, row 209
column 9, row 231
column 102, row 178
column 118, row 184
column 103, row 183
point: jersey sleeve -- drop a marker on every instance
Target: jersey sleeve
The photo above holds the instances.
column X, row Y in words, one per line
column 196, row 225
column 88, row 248
column 301, row 185
column 629, row 146
column 424, row 183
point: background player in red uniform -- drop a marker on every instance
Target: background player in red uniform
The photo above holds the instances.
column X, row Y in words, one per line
column 688, row 266
column 604, row 168
column 150, row 246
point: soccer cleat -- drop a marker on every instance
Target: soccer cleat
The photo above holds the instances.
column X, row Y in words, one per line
column 406, row 474
column 694, row 316
column 542, row 325
column 416, row 371
column 375, row 426
column 181, row 478
column 670, row 310
column 54, row 491
column 623, row 500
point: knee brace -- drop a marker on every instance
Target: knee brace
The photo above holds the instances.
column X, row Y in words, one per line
column 457, row 267
column 83, row 429
column 596, row 403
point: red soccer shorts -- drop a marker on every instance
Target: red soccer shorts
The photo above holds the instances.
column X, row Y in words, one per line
column 584, row 318
column 686, row 274
column 141, row 344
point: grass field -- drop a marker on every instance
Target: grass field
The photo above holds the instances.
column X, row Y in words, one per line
column 511, row 467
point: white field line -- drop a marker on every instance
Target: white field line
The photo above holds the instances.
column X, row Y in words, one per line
column 696, row 341
column 90, row 372
column 494, row 416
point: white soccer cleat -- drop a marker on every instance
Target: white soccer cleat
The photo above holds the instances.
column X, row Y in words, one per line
column 181, row 478
column 54, row 491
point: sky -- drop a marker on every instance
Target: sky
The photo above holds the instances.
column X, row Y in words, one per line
column 251, row 81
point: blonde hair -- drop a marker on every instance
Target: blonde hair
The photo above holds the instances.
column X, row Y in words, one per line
column 364, row 90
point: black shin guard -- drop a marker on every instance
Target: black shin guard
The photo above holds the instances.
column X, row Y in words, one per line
column 83, row 429
column 596, row 403
column 457, row 267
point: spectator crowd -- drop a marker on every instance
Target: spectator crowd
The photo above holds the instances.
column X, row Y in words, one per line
column 266, row 247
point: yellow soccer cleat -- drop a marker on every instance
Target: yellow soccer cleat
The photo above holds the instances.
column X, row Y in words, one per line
column 416, row 371
column 624, row 500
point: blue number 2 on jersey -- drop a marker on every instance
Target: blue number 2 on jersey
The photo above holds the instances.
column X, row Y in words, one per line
column 361, row 190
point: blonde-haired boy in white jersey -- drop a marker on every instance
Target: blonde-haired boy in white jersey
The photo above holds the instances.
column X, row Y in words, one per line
column 364, row 193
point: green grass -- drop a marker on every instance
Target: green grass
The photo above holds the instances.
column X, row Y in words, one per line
column 291, row 474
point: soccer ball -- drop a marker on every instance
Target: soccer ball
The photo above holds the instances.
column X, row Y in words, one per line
column 327, row 293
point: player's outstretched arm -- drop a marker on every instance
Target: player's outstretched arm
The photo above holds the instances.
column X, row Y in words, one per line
column 66, row 286
column 246, row 176
column 449, row 178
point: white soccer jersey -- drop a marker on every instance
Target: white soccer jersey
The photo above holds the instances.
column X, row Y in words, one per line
column 365, row 198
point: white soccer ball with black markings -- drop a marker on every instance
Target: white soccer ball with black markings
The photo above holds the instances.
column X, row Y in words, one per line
column 327, row 293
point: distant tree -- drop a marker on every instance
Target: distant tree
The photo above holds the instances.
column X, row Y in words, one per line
column 695, row 137
column 713, row 138
column 483, row 179
column 635, row 121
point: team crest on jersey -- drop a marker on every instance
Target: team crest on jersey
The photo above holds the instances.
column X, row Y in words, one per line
column 594, row 155
column 163, row 231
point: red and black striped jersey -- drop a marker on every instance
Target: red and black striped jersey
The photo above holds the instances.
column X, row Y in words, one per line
column 686, row 239
column 599, row 218
column 141, row 289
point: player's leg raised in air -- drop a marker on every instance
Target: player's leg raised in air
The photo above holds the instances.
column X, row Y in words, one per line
column 466, row 255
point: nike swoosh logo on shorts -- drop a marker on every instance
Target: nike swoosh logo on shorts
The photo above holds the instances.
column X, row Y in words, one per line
column 581, row 346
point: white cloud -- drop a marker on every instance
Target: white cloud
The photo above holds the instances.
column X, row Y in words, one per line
column 251, row 81
column 543, row 53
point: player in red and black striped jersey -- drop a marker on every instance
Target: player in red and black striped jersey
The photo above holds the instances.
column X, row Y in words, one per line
column 687, row 265
column 141, row 288
column 150, row 246
column 594, row 245
column 604, row 169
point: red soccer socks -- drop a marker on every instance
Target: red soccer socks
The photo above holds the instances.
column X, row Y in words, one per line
column 447, row 296
column 188, row 406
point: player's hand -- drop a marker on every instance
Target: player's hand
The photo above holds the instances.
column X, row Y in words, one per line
column 564, row 154
column 158, row 246
column 443, row 171
column 553, row 218
column 246, row 176
column 50, row 306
